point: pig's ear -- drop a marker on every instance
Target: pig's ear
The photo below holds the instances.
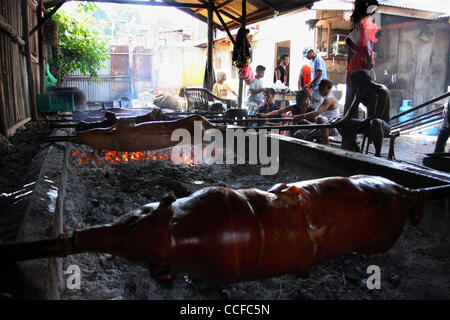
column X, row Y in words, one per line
column 164, row 205
column 278, row 188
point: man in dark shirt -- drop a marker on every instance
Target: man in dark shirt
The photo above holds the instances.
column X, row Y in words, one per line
column 376, row 98
column 281, row 71
column 302, row 107
column 269, row 106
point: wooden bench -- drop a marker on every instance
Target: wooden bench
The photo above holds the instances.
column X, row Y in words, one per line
column 201, row 99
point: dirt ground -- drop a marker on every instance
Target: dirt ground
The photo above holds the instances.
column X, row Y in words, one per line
column 417, row 267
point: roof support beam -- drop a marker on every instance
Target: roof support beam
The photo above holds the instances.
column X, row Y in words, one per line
column 410, row 13
column 268, row 4
column 224, row 25
column 230, row 16
column 223, row 4
column 403, row 25
column 46, row 17
column 209, row 72
column 241, row 81
column 254, row 14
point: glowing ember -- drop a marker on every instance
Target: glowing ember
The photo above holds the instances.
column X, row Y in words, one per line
column 116, row 156
column 191, row 157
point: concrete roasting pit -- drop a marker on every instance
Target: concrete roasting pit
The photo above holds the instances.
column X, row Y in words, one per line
column 417, row 267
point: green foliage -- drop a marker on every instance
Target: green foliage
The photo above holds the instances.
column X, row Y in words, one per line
column 79, row 46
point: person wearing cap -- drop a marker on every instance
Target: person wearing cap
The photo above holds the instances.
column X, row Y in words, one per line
column 320, row 72
column 320, row 69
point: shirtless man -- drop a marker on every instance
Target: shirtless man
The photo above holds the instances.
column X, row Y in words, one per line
column 327, row 110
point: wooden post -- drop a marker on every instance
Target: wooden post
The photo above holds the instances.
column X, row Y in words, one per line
column 26, row 38
column 40, row 13
column 329, row 39
column 241, row 82
column 3, row 121
column 209, row 62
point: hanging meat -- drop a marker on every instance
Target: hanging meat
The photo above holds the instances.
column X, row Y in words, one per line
column 223, row 235
column 242, row 54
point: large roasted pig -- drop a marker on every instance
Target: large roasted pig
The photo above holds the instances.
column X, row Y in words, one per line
column 224, row 235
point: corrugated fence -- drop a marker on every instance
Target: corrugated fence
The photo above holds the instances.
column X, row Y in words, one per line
column 117, row 77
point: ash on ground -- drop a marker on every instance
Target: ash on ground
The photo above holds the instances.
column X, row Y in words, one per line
column 417, row 267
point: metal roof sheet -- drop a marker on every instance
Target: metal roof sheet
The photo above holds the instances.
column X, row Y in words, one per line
column 230, row 10
column 442, row 6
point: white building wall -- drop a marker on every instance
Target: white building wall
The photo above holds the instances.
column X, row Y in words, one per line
column 287, row 27
column 169, row 62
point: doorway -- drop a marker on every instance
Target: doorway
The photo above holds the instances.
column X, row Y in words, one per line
column 281, row 48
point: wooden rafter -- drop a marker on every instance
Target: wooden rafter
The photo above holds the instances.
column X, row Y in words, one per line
column 223, row 4
column 46, row 17
column 253, row 15
column 268, row 4
column 230, row 16
column 224, row 25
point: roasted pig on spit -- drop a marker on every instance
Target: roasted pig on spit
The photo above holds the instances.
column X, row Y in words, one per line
column 129, row 137
column 111, row 119
column 223, row 235
column 100, row 114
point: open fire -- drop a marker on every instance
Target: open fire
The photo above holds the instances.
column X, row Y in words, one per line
column 110, row 157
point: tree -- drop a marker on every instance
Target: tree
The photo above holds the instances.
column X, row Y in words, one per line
column 79, row 45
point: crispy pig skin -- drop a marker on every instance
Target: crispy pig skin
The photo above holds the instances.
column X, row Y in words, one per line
column 128, row 137
column 223, row 235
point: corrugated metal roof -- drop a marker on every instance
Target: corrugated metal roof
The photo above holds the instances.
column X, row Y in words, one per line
column 257, row 10
column 441, row 6
column 438, row 6
column 230, row 10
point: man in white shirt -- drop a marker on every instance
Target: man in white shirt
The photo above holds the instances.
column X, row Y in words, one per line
column 256, row 90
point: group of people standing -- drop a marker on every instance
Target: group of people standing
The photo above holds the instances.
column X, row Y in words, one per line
column 310, row 74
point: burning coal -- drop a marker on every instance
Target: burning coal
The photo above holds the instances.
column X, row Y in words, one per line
column 110, row 157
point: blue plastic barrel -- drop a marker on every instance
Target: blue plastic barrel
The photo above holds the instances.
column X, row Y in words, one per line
column 406, row 105
column 431, row 132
